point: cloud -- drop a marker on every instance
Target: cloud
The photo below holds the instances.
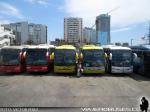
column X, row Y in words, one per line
column 130, row 12
column 40, row 2
column 9, row 10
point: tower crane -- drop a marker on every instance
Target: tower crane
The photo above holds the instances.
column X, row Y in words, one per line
column 108, row 13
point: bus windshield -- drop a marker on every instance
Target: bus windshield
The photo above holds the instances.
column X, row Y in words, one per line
column 121, row 58
column 36, row 57
column 10, row 57
column 93, row 58
column 65, row 57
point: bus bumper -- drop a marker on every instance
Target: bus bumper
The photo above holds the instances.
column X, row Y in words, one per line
column 95, row 70
column 37, row 68
column 11, row 69
column 64, row 69
column 121, row 69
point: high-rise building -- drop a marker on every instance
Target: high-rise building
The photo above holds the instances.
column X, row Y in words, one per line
column 72, row 29
column 37, row 33
column 89, row 35
column 103, row 29
column 6, row 37
column 28, row 33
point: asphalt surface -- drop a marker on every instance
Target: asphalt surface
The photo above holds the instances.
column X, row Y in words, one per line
column 48, row 90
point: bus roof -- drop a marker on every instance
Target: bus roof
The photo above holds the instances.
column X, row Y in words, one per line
column 90, row 47
column 13, row 47
column 37, row 47
column 46, row 45
column 66, row 47
column 51, row 46
column 112, row 47
column 141, row 47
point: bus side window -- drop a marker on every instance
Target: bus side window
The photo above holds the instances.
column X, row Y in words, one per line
column 105, row 55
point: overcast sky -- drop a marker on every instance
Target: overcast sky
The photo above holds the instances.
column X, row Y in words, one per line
column 129, row 19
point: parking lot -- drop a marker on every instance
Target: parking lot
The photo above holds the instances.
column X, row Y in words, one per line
column 49, row 90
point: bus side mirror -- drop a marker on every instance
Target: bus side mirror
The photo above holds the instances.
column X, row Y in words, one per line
column 24, row 55
column 110, row 56
column 20, row 57
column 135, row 56
column 80, row 57
column 47, row 56
column 52, row 57
column 77, row 57
column 105, row 55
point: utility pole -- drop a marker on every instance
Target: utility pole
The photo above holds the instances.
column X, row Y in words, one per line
column 149, row 34
column 132, row 41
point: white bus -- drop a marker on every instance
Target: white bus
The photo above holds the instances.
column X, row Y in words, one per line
column 120, row 59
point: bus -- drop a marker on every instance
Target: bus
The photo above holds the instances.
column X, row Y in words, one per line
column 120, row 59
column 92, row 59
column 65, row 59
column 142, row 64
column 12, row 59
column 37, row 58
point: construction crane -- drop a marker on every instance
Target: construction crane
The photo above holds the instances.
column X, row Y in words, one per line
column 108, row 13
column 113, row 10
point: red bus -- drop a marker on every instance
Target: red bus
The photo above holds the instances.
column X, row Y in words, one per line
column 38, row 58
column 12, row 60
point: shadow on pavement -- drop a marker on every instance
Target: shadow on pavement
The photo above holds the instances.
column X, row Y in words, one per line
column 37, row 74
column 11, row 74
column 70, row 75
column 139, row 77
column 134, row 76
column 41, row 74
column 105, row 75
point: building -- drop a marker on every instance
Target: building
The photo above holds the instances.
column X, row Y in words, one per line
column 125, row 44
column 118, row 44
column 58, row 42
column 37, row 33
column 73, row 30
column 89, row 35
column 6, row 37
column 28, row 33
column 103, row 29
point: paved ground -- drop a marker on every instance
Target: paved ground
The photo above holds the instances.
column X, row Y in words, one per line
column 63, row 91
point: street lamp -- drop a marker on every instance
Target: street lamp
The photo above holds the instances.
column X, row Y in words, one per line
column 131, row 41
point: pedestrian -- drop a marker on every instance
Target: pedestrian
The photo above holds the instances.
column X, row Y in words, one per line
column 144, row 105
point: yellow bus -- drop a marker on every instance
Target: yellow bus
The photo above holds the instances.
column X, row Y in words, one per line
column 92, row 59
column 65, row 59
